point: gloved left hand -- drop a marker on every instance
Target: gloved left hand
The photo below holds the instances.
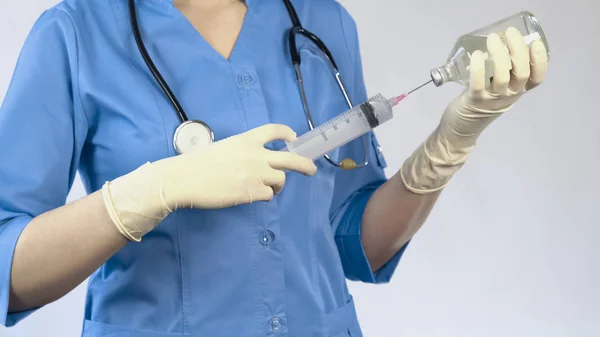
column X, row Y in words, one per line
column 516, row 69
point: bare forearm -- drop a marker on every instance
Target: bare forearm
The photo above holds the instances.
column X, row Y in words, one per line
column 392, row 217
column 59, row 249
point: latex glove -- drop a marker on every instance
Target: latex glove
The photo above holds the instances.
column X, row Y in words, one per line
column 431, row 167
column 237, row 170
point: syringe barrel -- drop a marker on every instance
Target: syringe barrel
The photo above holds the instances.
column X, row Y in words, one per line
column 343, row 128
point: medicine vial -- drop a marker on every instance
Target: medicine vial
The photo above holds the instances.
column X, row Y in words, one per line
column 456, row 68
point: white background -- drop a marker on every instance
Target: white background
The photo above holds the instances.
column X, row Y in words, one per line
column 512, row 247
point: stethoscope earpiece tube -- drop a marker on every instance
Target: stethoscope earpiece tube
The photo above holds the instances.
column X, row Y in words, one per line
column 159, row 79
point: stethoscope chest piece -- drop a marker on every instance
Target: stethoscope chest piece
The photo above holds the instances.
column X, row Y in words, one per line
column 192, row 135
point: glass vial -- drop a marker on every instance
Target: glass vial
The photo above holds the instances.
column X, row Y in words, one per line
column 456, row 68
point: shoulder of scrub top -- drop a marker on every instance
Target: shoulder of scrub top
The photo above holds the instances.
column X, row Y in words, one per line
column 321, row 16
column 326, row 18
column 97, row 22
column 333, row 24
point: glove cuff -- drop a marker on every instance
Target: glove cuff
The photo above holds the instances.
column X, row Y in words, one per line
column 431, row 166
column 112, row 212
column 135, row 203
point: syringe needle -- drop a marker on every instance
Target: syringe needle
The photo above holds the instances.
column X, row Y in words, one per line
column 397, row 99
column 419, row 87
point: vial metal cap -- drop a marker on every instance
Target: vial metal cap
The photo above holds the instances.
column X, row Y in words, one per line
column 436, row 77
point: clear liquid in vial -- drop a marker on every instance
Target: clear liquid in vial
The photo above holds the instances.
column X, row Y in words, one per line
column 456, row 68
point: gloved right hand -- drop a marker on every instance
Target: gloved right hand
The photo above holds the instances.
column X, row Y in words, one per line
column 236, row 170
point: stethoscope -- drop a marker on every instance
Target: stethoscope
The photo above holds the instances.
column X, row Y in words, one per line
column 193, row 134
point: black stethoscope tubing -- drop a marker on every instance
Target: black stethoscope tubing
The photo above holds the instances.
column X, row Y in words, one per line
column 295, row 55
column 148, row 60
column 192, row 134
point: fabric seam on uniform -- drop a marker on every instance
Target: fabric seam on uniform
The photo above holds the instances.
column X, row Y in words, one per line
column 352, row 57
column 183, row 319
column 313, row 243
column 79, row 99
column 116, row 7
column 256, row 274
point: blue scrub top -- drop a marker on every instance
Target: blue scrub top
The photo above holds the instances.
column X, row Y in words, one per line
column 82, row 100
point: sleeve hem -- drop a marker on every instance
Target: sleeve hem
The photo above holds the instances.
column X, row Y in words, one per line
column 357, row 266
column 10, row 232
column 349, row 241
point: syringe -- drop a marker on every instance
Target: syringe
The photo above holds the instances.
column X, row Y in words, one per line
column 347, row 126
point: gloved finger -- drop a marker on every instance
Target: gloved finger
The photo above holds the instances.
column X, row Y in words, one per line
column 501, row 63
column 477, row 73
column 262, row 193
column 270, row 132
column 283, row 160
column 275, row 179
column 519, row 54
column 539, row 64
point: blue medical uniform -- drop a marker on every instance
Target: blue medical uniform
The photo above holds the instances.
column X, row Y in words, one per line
column 82, row 100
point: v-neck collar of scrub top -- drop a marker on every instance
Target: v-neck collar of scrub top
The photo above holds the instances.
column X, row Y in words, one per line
column 168, row 4
column 246, row 43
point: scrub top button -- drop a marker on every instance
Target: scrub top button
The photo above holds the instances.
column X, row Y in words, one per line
column 267, row 237
column 275, row 325
column 245, row 79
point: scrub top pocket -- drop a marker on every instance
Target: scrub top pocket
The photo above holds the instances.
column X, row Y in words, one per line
column 342, row 322
column 96, row 329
